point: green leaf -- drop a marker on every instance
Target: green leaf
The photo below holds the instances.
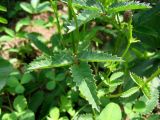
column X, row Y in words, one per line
column 6, row 38
column 152, row 102
column 3, row 20
column 12, row 81
column 86, row 4
column 130, row 92
column 98, row 57
column 111, row 112
column 5, row 69
column 146, row 91
column 44, row 7
column 60, row 77
column 84, row 117
column 27, row 7
column 67, row 105
column 27, row 115
column 83, row 78
column 19, row 89
column 40, row 45
column 57, row 60
column 21, row 23
column 139, row 81
column 154, row 117
column 35, row 3
column 2, row 8
column 82, row 18
column 124, row 6
column 51, row 85
column 26, row 78
column 116, row 75
column 10, row 32
column 9, row 116
column 36, row 100
column 20, row 103
column 54, row 113
column 139, row 106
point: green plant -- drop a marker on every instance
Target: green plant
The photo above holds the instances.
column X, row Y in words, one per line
column 92, row 67
column 78, row 59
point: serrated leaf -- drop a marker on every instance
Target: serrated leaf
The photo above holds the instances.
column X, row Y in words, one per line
column 82, row 18
column 116, row 75
column 83, row 78
column 112, row 111
column 139, row 81
column 146, row 91
column 152, row 102
column 124, row 6
column 86, row 4
column 57, row 60
column 115, row 83
column 130, row 92
column 97, row 57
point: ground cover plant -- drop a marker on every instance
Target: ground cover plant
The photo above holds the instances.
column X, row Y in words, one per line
column 79, row 60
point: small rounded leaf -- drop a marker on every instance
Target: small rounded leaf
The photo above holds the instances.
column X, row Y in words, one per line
column 54, row 113
column 19, row 89
column 111, row 112
column 139, row 106
column 9, row 116
column 20, row 103
column 51, row 85
column 26, row 78
column 27, row 115
column 60, row 77
column 12, row 82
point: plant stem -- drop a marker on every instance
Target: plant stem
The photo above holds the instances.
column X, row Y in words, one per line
column 129, row 38
column 79, row 111
column 76, row 24
column 153, row 76
column 54, row 6
column 70, row 18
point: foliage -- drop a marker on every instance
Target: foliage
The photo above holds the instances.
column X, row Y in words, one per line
column 100, row 63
